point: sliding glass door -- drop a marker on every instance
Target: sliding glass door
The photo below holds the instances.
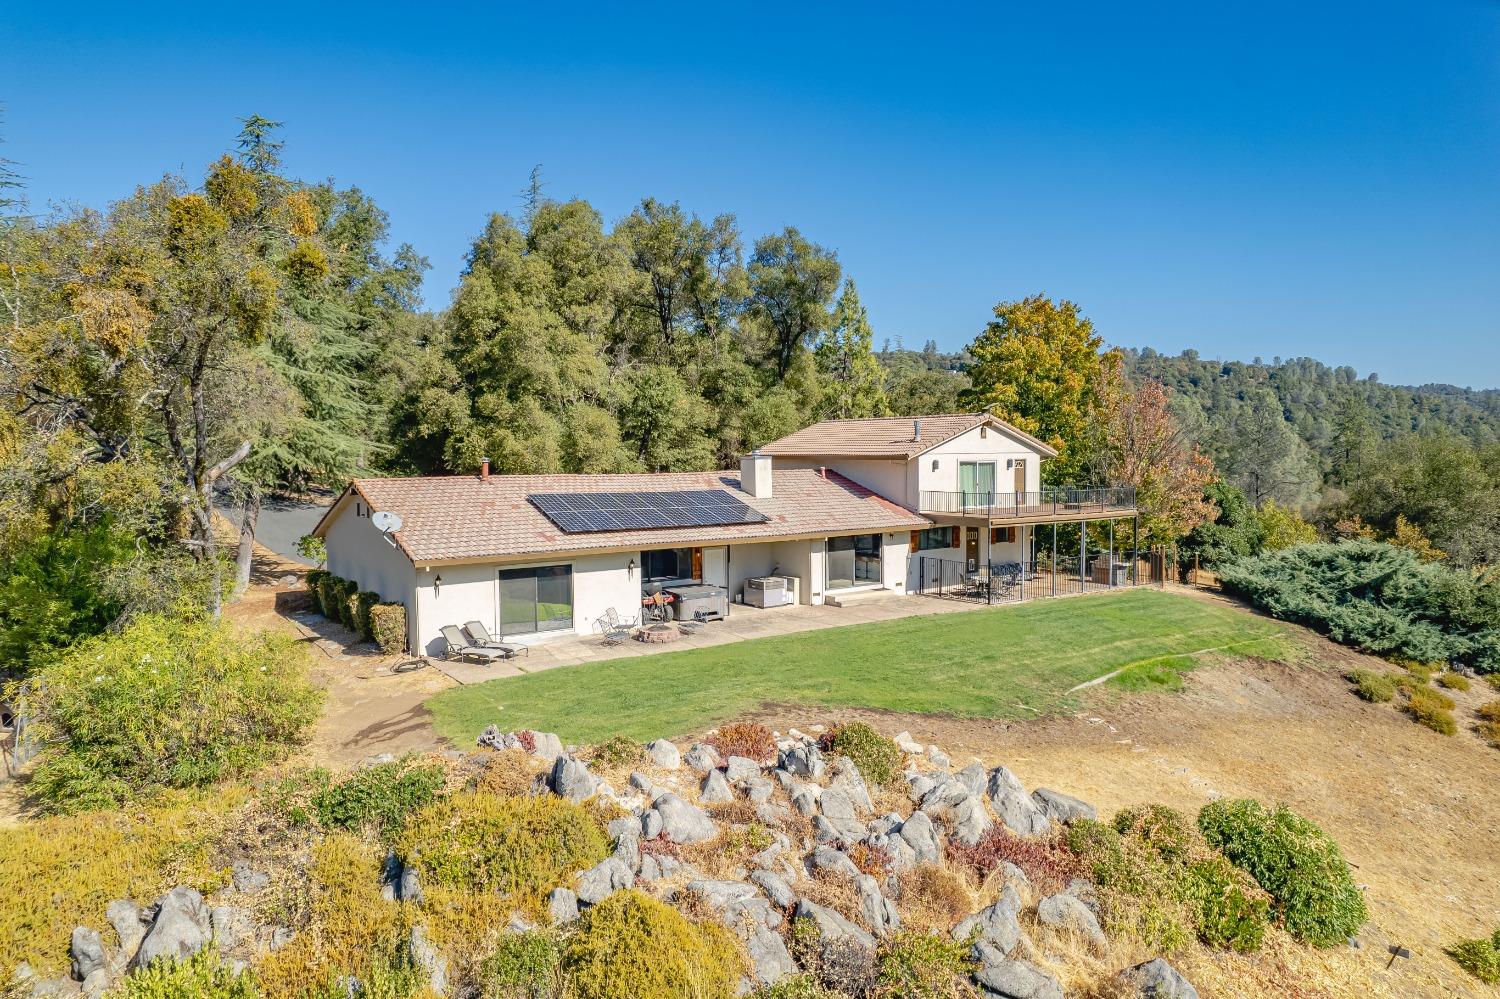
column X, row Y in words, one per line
column 976, row 480
column 852, row 561
column 539, row 599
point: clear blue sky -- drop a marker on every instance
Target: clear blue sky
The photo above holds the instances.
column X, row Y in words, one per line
column 1251, row 179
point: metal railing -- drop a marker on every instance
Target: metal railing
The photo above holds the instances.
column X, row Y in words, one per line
column 1013, row 582
column 1063, row 501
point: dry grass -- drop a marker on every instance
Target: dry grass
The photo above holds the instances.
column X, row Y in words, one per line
column 509, row 771
column 934, row 897
column 836, row 892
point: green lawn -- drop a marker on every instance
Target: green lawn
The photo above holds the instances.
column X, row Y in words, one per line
column 1005, row 662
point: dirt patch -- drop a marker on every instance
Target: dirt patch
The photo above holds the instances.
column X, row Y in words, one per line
column 371, row 708
column 1417, row 813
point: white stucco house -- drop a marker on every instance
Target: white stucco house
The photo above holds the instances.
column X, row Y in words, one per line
column 842, row 507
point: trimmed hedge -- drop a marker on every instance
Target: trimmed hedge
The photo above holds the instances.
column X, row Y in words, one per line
column 1378, row 597
column 360, row 604
column 388, row 627
column 1294, row 860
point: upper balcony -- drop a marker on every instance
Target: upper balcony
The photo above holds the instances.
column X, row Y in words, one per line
column 1059, row 504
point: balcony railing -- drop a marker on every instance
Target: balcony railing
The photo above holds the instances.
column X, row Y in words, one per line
column 1064, row 502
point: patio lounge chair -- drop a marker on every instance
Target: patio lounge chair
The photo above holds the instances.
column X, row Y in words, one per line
column 479, row 635
column 460, row 646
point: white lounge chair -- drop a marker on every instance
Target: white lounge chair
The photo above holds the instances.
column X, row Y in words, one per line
column 460, row 647
column 479, row 636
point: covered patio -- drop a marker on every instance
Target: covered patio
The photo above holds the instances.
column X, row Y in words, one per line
column 1057, row 557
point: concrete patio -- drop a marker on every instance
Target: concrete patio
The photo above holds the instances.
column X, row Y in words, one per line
column 744, row 622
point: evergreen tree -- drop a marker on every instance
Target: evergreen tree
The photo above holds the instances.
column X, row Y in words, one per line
column 854, row 382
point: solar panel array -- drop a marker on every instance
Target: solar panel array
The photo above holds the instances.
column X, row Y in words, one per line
column 581, row 513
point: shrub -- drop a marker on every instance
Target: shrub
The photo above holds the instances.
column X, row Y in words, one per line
column 804, row 986
column 167, row 703
column 388, row 627
column 1163, row 830
column 1453, row 681
column 343, row 925
column 201, row 976
column 749, row 739
column 1378, row 597
column 618, row 751
column 1372, row 686
column 1490, row 732
column 1230, row 910
column 1141, row 895
column 61, row 872
column 1480, row 958
column 630, row 945
column 329, row 588
column 878, row 758
column 1047, row 861
column 913, row 965
column 509, row 772
column 343, row 602
column 1295, row 861
column 378, row 798
column 1490, row 711
column 1432, row 709
column 360, row 606
column 523, row 847
column 314, row 581
column 523, row 966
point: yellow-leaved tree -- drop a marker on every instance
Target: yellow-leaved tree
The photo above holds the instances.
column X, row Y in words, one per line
column 1040, row 366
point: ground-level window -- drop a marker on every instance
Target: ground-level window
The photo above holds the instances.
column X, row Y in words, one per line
column 1002, row 535
column 934, row 537
column 538, row 599
column 853, row 561
column 662, row 565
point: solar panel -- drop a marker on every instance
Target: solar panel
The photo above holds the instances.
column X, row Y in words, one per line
column 584, row 513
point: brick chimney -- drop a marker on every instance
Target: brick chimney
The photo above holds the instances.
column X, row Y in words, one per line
column 755, row 474
column 484, row 470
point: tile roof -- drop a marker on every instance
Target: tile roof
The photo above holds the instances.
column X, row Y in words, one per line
column 887, row 436
column 464, row 517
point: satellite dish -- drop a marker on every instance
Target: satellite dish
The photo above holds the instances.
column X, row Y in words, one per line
column 386, row 522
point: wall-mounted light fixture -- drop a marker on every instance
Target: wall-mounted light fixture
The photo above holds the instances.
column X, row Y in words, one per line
column 1010, row 463
column 934, row 464
column 630, row 569
column 437, row 585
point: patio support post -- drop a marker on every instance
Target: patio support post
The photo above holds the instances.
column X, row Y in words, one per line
column 1110, row 568
column 1083, row 556
column 1054, row 558
column 1135, row 551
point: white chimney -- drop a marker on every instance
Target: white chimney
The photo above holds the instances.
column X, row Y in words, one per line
column 755, row 474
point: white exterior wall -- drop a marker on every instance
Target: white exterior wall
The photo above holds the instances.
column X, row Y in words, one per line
column 357, row 551
column 893, row 478
column 994, row 446
column 472, row 593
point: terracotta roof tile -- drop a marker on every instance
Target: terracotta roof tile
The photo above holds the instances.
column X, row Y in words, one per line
column 462, row 517
column 887, row 436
